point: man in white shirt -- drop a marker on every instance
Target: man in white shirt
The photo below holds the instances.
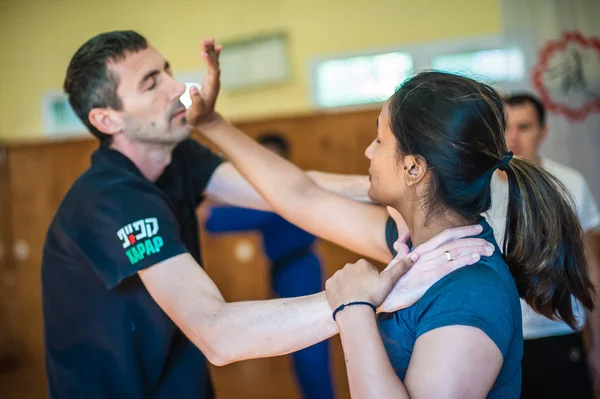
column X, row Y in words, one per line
column 554, row 360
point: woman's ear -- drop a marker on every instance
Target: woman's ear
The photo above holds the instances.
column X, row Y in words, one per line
column 415, row 169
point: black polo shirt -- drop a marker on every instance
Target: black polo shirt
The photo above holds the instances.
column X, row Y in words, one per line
column 105, row 336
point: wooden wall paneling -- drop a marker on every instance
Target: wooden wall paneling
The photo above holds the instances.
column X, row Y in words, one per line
column 40, row 175
column 237, row 265
column 9, row 349
column 330, row 142
column 326, row 142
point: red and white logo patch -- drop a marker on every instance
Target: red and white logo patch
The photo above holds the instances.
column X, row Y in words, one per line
column 567, row 75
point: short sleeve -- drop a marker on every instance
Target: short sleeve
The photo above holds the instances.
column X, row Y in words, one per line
column 472, row 296
column 199, row 161
column 391, row 234
column 587, row 208
column 127, row 229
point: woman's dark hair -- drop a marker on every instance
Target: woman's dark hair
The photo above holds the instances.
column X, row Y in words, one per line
column 457, row 126
column 90, row 83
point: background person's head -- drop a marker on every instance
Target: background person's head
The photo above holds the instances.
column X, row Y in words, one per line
column 276, row 142
column 122, row 88
column 440, row 139
column 526, row 125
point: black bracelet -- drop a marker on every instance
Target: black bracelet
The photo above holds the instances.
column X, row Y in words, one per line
column 341, row 307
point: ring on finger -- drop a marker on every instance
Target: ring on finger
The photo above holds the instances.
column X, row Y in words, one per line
column 448, row 256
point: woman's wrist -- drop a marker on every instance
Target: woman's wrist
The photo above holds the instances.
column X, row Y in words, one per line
column 210, row 121
column 351, row 315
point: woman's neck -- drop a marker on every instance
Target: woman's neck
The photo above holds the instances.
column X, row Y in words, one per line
column 423, row 227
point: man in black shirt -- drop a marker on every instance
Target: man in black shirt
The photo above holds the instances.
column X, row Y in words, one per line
column 128, row 312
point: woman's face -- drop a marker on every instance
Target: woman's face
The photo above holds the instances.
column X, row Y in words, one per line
column 388, row 184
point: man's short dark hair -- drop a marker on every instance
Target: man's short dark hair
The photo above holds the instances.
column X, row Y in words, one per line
column 275, row 139
column 523, row 98
column 89, row 82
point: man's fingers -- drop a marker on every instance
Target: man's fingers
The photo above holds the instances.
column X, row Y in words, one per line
column 466, row 242
column 476, row 243
column 403, row 238
column 482, row 250
column 449, row 235
column 400, row 245
column 438, row 257
column 456, row 264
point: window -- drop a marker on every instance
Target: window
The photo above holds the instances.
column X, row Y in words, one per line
column 372, row 78
column 360, row 80
column 58, row 117
column 496, row 65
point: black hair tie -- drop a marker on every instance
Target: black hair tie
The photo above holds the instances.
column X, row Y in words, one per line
column 503, row 164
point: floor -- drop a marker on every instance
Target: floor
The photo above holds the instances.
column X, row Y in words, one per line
column 262, row 378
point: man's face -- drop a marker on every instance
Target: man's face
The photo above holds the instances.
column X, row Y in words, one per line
column 152, row 112
column 524, row 134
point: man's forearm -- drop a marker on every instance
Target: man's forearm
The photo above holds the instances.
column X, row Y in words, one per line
column 229, row 332
column 355, row 187
column 232, row 189
column 247, row 330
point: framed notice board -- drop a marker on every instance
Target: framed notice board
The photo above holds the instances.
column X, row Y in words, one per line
column 255, row 62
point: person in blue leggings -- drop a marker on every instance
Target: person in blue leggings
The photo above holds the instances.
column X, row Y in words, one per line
column 295, row 271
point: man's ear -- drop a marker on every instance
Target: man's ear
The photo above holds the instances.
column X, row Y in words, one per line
column 105, row 120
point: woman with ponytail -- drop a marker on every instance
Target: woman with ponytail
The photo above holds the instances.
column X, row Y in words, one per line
column 440, row 138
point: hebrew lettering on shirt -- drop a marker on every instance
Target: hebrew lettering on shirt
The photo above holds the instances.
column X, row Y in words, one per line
column 142, row 228
column 151, row 226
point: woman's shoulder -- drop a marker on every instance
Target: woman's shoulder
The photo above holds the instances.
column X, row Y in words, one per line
column 481, row 276
column 475, row 296
column 479, row 288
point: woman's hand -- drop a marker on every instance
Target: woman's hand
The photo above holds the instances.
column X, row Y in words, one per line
column 202, row 110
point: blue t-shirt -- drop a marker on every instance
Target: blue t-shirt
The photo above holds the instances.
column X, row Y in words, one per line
column 483, row 295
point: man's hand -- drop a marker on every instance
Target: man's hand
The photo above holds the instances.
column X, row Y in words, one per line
column 202, row 109
column 433, row 264
column 361, row 281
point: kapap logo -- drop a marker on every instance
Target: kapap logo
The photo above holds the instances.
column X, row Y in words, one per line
column 567, row 75
column 141, row 239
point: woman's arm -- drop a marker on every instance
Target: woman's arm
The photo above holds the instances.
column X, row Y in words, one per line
column 370, row 373
column 448, row 362
column 356, row 226
column 452, row 357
